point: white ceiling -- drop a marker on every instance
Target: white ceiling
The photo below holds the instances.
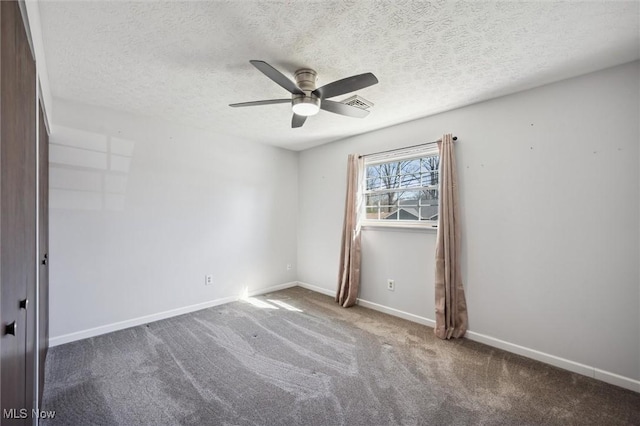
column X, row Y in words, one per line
column 186, row 61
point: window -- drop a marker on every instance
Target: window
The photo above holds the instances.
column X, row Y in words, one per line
column 401, row 188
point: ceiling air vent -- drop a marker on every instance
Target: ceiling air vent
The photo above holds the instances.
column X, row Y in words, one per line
column 358, row 102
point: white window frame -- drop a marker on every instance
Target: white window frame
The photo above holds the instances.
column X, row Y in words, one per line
column 427, row 150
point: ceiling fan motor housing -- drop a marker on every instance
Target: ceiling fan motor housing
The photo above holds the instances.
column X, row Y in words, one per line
column 306, row 79
column 307, row 104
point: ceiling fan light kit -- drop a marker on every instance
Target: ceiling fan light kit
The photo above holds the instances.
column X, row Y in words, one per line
column 305, row 105
column 306, row 99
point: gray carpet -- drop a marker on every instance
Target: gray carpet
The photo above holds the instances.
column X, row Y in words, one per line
column 310, row 362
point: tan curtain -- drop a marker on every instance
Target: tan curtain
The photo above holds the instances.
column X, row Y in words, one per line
column 349, row 278
column 451, row 306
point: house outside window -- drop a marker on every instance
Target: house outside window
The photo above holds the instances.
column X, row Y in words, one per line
column 400, row 188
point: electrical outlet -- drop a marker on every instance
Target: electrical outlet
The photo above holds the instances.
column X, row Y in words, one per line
column 391, row 285
column 289, row 266
column 208, row 279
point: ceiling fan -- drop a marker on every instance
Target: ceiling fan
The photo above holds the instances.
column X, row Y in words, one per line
column 306, row 99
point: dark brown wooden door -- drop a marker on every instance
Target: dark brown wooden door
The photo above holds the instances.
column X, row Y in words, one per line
column 18, row 214
column 43, row 223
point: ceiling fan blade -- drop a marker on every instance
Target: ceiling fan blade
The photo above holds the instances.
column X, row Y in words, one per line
column 277, row 76
column 346, row 85
column 298, row 120
column 267, row 102
column 338, row 108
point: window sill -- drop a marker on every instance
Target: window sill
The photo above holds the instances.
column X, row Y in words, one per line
column 382, row 225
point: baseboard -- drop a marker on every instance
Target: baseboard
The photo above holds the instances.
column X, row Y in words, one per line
column 272, row 288
column 397, row 313
column 616, row 379
column 565, row 364
column 108, row 328
column 372, row 305
column 317, row 289
column 531, row 353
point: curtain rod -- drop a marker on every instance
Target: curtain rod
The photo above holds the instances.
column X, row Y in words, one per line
column 455, row 138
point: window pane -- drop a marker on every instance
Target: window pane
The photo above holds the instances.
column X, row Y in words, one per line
column 429, row 196
column 372, row 171
column 378, row 206
column 430, row 167
column 429, row 164
column 373, row 183
column 410, row 180
column 390, row 180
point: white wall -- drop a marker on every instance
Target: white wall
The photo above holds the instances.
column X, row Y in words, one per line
column 550, row 198
column 141, row 210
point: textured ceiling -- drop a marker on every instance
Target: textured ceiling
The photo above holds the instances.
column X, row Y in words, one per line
column 186, row 61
